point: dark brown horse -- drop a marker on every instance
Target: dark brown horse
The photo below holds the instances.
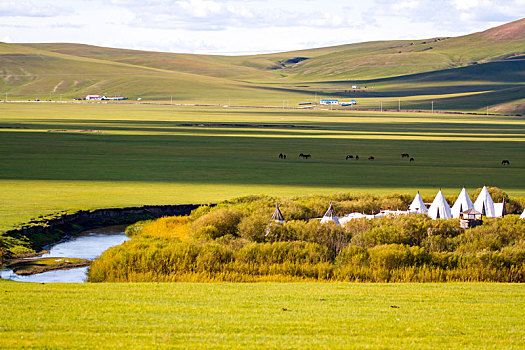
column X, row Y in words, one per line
column 305, row 156
column 349, row 156
column 411, row 160
column 405, row 155
column 371, row 158
column 505, row 162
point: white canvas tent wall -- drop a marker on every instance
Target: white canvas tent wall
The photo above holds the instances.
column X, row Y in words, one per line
column 462, row 203
column 418, row 206
column 439, row 209
column 484, row 203
column 330, row 216
column 351, row 216
column 500, row 210
column 522, row 216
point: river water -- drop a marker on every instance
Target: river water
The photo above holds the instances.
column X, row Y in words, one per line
column 88, row 245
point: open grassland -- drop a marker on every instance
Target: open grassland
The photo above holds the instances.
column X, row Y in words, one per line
column 266, row 315
column 467, row 73
column 69, row 157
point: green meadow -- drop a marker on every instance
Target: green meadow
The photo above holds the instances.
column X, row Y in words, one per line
column 263, row 315
column 78, row 156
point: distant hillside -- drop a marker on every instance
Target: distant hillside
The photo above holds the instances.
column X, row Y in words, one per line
column 488, row 62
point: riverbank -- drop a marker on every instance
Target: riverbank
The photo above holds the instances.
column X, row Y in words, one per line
column 38, row 233
column 67, row 261
column 25, row 267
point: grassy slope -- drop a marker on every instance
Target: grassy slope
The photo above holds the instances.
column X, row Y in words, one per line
column 144, row 155
column 226, row 316
column 328, row 71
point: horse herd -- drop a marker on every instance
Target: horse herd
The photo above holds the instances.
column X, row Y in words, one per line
column 350, row 156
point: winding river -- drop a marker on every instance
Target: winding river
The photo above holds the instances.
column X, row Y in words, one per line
column 88, row 245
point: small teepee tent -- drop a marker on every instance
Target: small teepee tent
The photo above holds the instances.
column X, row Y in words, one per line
column 484, row 203
column 439, row 209
column 462, row 204
column 522, row 216
column 330, row 216
column 277, row 215
column 418, row 206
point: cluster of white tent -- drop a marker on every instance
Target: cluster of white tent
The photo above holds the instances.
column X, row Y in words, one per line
column 439, row 209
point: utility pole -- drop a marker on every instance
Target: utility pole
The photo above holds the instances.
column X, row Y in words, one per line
column 381, row 105
column 283, row 105
column 399, row 105
column 315, row 97
column 432, row 107
column 487, row 110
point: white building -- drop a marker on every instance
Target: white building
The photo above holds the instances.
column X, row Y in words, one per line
column 329, row 102
column 93, row 97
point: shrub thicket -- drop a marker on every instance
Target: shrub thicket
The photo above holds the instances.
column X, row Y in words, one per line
column 235, row 241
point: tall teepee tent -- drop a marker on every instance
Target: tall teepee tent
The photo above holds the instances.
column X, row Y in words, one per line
column 439, row 209
column 330, row 216
column 462, row 203
column 484, row 203
column 418, row 206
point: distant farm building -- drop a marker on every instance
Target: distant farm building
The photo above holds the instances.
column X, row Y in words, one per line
column 104, row 98
column 329, row 102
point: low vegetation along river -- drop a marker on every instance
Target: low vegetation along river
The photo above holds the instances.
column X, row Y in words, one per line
column 88, row 245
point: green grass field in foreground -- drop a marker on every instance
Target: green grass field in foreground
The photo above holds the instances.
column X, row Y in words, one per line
column 70, row 157
column 318, row 315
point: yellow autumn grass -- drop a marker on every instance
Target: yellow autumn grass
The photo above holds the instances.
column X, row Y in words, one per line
column 168, row 227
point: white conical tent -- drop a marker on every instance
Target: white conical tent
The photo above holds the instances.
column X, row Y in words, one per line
column 277, row 215
column 330, row 215
column 439, row 209
column 418, row 206
column 522, row 216
column 462, row 203
column 484, row 203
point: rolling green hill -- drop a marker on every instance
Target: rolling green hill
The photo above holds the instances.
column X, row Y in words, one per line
column 463, row 73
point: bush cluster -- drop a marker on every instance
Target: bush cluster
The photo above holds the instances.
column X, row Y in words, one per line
column 236, row 241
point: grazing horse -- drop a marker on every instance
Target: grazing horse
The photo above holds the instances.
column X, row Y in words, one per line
column 349, row 156
column 284, row 156
column 411, row 160
column 281, row 156
column 371, row 158
column 505, row 162
column 305, row 156
column 404, row 155
column 356, row 157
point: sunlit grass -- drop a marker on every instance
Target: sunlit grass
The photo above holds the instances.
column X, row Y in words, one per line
column 269, row 315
